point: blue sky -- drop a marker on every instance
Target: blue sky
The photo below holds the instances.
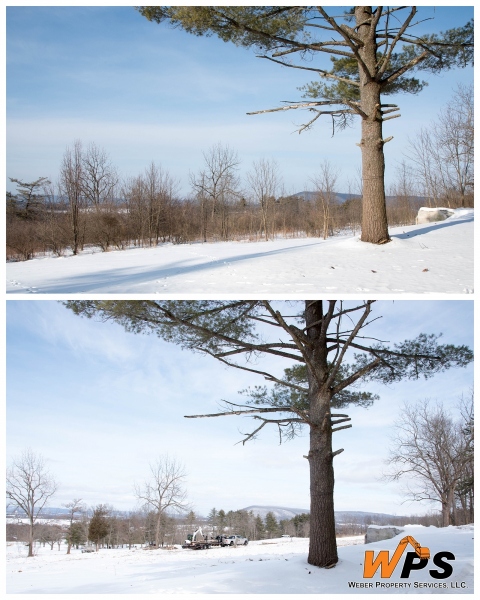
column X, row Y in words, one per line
column 101, row 404
column 148, row 93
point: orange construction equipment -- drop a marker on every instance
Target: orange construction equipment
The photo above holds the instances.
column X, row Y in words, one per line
column 422, row 551
column 387, row 565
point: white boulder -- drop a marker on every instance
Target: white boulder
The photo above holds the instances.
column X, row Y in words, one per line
column 431, row 215
column 376, row 533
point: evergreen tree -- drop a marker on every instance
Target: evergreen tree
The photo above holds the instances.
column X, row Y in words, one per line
column 76, row 534
column 99, row 526
column 222, row 520
column 30, row 197
column 259, row 528
column 326, row 336
column 374, row 51
column 271, row 525
column 299, row 522
column 213, row 520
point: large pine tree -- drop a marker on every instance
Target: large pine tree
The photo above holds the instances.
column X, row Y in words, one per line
column 373, row 49
column 326, row 337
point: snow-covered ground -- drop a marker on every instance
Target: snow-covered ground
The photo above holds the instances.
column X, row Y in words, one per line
column 266, row 567
column 420, row 259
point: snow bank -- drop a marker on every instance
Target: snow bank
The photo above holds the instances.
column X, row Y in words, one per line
column 265, row 567
column 420, row 259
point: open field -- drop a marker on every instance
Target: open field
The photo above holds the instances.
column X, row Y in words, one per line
column 276, row 566
column 420, row 259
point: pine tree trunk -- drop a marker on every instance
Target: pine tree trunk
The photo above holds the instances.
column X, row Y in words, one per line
column 323, row 544
column 374, row 212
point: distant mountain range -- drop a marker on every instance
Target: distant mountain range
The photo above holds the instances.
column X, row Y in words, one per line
column 281, row 513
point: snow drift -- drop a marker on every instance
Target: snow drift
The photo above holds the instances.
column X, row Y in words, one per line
column 277, row 566
column 420, row 259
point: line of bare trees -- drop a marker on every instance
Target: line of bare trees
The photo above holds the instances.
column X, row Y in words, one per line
column 91, row 205
column 102, row 527
column 441, row 154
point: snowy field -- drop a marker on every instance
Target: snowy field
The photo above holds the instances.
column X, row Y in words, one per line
column 420, row 259
column 266, row 567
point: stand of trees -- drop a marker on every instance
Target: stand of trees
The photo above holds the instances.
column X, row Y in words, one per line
column 107, row 528
column 91, row 205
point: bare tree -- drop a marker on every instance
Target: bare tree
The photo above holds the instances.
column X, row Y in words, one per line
column 264, row 180
column 75, row 506
column 70, row 187
column 465, row 488
column 99, row 177
column 443, row 152
column 404, row 210
column 164, row 492
column 325, row 196
column 454, row 136
column 99, row 181
column 432, row 450
column 157, row 192
column 50, row 224
column 30, row 486
column 215, row 186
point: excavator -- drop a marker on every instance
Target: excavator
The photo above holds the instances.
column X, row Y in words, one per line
column 387, row 564
column 198, row 541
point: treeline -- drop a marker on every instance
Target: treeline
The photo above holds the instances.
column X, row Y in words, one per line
column 92, row 205
column 103, row 527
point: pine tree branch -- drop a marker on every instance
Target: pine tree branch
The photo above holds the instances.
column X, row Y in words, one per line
column 240, row 412
column 399, row 72
column 347, row 39
column 347, row 343
column 261, row 348
column 267, row 376
column 321, row 72
column 340, row 428
column 401, row 31
column 307, row 105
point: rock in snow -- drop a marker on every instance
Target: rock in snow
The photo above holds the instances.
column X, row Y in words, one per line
column 432, row 215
